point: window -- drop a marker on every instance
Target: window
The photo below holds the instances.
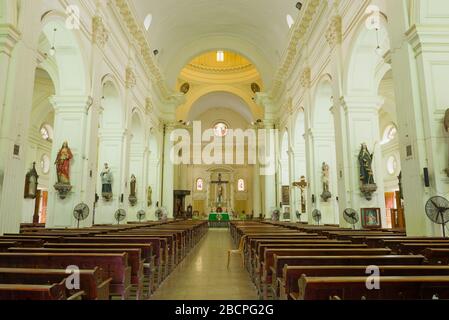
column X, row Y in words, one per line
column 241, row 185
column 199, row 184
column 46, row 132
column 290, row 21
column 45, row 164
column 221, row 129
column 220, row 56
column 147, row 22
column 392, row 165
column 390, row 134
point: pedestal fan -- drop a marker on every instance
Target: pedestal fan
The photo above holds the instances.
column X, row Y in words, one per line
column 437, row 210
column 120, row 215
column 351, row 217
column 316, row 216
column 80, row 213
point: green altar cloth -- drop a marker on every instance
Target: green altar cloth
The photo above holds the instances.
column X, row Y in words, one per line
column 214, row 217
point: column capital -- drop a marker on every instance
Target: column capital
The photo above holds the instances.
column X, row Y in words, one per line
column 362, row 104
column 9, row 36
column 72, row 104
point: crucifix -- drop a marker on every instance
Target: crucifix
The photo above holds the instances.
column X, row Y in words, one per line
column 302, row 185
column 219, row 184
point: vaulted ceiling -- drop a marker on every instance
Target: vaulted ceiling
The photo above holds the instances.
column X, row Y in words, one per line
column 183, row 29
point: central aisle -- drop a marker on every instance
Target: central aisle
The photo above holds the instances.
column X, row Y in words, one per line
column 203, row 274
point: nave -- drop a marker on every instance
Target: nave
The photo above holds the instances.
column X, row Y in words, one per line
column 203, row 275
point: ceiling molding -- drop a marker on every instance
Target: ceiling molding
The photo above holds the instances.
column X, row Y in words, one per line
column 145, row 51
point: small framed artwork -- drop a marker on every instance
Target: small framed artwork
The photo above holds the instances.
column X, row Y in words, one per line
column 371, row 218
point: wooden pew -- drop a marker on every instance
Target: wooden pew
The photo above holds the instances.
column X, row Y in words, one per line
column 36, row 292
column 437, row 256
column 92, row 282
column 134, row 260
column 113, row 265
column 418, row 248
column 354, row 288
column 4, row 245
column 159, row 249
column 288, row 283
column 269, row 270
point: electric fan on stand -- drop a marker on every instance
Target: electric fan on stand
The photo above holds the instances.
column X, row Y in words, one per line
column 437, row 210
column 351, row 217
column 120, row 215
column 80, row 213
column 316, row 216
column 141, row 215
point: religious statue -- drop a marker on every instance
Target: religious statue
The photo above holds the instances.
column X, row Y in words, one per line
column 149, row 196
column 62, row 163
column 401, row 194
column 368, row 186
column 31, row 183
column 106, row 182
column 326, row 195
column 132, row 193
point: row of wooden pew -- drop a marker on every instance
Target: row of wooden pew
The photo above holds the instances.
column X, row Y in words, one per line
column 302, row 262
column 127, row 261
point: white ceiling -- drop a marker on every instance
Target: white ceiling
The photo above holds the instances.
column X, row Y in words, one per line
column 182, row 29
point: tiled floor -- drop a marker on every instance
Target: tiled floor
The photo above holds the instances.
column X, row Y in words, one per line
column 203, row 275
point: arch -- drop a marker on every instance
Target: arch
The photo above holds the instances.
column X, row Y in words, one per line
column 112, row 112
column 321, row 114
column 364, row 60
column 69, row 57
column 137, row 129
column 221, row 99
column 255, row 113
column 173, row 65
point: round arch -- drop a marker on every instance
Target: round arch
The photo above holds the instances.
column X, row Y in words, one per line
column 69, row 58
column 364, row 60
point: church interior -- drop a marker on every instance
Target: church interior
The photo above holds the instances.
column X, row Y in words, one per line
column 300, row 149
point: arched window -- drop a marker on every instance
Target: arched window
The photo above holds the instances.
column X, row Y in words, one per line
column 241, row 185
column 392, row 165
column 199, row 184
column 390, row 134
column 147, row 22
column 46, row 132
column 290, row 21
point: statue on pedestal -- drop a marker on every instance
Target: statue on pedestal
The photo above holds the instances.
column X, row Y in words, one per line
column 132, row 193
column 368, row 186
column 326, row 195
column 106, row 182
column 62, row 163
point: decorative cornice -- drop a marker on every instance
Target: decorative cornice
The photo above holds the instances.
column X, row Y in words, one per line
column 145, row 50
column 100, row 35
column 306, row 78
column 299, row 32
column 334, row 33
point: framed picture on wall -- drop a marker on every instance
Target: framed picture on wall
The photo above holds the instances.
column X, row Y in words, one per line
column 371, row 218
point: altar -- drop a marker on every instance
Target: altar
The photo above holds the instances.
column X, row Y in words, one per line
column 219, row 220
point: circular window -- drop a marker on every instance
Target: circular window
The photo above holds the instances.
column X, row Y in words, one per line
column 45, row 164
column 221, row 129
column 390, row 134
column 392, row 165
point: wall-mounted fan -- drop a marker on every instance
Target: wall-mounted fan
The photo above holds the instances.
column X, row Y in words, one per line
column 437, row 210
column 80, row 213
column 141, row 215
column 120, row 215
column 351, row 216
column 316, row 215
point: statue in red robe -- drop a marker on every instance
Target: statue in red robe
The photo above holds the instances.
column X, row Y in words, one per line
column 63, row 164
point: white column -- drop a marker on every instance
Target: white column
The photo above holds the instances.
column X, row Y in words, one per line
column 168, row 172
column 360, row 117
column 71, row 126
column 420, row 64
